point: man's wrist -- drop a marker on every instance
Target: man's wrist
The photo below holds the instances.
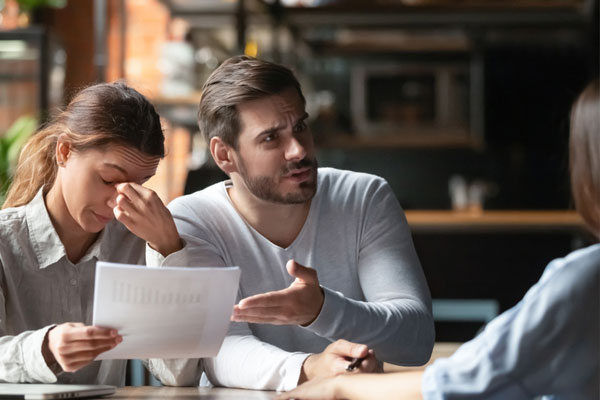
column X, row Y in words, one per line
column 318, row 311
column 306, row 365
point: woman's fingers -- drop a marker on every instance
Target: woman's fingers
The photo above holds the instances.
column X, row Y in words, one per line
column 144, row 214
column 90, row 345
column 83, row 332
column 134, row 193
column 75, row 345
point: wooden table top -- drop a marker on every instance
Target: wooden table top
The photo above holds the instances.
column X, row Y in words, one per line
column 165, row 392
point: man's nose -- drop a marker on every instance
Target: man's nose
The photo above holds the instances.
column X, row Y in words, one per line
column 295, row 150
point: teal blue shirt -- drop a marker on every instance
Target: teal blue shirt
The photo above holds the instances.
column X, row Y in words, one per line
column 547, row 345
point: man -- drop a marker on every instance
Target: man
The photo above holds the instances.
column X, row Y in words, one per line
column 325, row 254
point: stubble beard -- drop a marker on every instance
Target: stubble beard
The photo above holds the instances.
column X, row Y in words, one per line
column 265, row 187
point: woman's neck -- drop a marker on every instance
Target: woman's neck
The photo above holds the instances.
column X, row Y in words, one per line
column 75, row 240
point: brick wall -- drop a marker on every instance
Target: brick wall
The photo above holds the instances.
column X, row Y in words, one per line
column 146, row 23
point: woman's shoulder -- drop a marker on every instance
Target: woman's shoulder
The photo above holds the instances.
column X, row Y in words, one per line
column 580, row 265
column 12, row 220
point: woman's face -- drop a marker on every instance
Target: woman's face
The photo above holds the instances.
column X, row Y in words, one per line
column 87, row 181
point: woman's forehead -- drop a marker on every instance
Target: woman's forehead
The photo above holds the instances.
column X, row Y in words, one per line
column 130, row 160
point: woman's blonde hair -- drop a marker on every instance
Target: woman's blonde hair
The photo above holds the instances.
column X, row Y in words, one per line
column 584, row 144
column 98, row 116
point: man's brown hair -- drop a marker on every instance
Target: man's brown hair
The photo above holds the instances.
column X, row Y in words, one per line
column 238, row 80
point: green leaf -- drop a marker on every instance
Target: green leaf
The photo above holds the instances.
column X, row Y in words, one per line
column 28, row 5
column 10, row 146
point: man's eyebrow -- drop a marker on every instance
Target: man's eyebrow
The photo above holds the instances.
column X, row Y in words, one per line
column 302, row 118
column 270, row 130
column 278, row 127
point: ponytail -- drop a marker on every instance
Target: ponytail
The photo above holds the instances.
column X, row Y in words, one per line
column 36, row 167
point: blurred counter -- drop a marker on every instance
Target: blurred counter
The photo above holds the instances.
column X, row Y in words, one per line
column 439, row 221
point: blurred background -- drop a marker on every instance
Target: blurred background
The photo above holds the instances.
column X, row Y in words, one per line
column 462, row 105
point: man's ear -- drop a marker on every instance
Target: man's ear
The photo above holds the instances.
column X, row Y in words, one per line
column 222, row 153
column 63, row 150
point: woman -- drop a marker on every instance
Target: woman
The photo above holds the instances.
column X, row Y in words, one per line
column 547, row 345
column 74, row 177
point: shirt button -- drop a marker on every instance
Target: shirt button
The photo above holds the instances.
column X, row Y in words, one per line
column 73, row 281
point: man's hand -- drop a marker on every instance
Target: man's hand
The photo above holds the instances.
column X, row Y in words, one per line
column 299, row 304
column 335, row 359
column 144, row 214
column 74, row 345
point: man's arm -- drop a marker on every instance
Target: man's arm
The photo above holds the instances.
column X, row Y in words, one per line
column 395, row 319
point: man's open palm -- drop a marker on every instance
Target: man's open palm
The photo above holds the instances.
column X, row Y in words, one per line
column 299, row 304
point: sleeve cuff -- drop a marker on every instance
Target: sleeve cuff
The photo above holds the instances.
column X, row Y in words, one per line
column 33, row 360
column 176, row 259
column 291, row 372
column 429, row 384
column 331, row 315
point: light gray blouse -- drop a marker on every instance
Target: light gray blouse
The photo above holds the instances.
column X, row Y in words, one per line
column 40, row 287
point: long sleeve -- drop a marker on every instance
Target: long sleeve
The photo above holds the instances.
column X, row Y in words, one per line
column 244, row 361
column 548, row 344
column 21, row 357
column 395, row 319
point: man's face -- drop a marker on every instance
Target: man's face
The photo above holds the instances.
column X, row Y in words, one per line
column 275, row 155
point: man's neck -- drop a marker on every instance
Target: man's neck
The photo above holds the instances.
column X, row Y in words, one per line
column 75, row 240
column 279, row 223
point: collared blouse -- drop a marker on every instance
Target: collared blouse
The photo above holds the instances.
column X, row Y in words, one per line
column 40, row 287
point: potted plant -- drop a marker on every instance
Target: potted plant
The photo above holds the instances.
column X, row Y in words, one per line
column 10, row 146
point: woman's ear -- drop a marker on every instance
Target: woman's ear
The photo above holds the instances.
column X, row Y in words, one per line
column 63, row 150
column 222, row 153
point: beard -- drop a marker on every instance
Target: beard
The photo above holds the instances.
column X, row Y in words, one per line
column 265, row 187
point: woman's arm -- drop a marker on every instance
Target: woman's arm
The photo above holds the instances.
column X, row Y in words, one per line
column 398, row 385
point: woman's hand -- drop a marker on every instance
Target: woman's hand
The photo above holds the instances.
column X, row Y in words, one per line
column 144, row 214
column 74, row 345
column 399, row 385
column 316, row 389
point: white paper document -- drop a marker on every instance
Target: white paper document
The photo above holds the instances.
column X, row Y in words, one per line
column 166, row 312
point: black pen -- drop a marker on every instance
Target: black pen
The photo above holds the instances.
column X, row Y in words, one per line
column 355, row 363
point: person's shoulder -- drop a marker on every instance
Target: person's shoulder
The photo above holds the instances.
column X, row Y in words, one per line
column 586, row 259
column 336, row 179
column 205, row 199
column 12, row 219
column 577, row 274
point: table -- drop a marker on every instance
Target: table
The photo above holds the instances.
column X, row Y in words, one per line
column 165, row 392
